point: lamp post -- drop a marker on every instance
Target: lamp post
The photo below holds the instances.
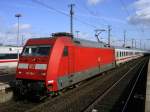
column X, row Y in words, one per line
column 18, row 17
column 71, row 17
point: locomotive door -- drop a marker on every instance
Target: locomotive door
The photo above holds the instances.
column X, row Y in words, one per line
column 99, row 63
column 71, row 66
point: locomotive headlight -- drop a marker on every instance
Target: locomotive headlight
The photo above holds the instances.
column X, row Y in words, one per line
column 19, row 72
column 23, row 65
column 41, row 66
column 50, row 81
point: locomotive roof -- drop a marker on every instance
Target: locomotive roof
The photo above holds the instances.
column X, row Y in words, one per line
column 83, row 42
column 89, row 43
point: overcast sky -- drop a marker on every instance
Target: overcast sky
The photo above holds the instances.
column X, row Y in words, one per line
column 43, row 17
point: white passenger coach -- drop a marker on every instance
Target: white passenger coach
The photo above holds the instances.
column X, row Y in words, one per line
column 126, row 54
column 9, row 56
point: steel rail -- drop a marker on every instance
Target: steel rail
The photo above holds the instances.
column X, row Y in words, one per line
column 126, row 103
column 99, row 98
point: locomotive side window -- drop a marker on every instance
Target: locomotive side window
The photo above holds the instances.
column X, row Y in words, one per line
column 65, row 52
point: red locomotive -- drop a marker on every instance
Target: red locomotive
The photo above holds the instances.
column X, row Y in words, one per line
column 48, row 65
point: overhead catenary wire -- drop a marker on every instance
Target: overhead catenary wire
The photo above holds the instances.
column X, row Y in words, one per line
column 62, row 13
column 92, row 13
column 106, row 23
column 124, row 6
column 49, row 7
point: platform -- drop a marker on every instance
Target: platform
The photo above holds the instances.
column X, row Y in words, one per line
column 147, row 101
column 4, row 86
column 5, row 93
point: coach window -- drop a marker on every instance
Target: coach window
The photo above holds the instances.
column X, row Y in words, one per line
column 65, row 52
column 8, row 56
column 10, row 49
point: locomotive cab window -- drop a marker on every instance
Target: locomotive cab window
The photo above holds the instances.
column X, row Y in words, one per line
column 43, row 50
column 39, row 50
column 65, row 52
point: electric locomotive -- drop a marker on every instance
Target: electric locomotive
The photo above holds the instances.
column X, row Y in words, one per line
column 48, row 65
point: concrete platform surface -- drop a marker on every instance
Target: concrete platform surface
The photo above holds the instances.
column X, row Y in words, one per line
column 4, row 86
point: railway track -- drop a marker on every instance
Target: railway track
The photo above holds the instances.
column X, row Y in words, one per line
column 7, row 75
column 134, row 99
column 74, row 100
column 99, row 105
column 131, row 92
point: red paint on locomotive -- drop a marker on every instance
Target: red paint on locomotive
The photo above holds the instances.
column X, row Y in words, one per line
column 60, row 63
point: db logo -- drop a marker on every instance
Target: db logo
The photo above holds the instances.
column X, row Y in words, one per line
column 99, row 59
column 31, row 66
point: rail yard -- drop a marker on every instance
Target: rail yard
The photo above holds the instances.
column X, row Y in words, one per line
column 75, row 56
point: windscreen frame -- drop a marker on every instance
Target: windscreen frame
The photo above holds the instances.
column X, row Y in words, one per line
column 37, row 46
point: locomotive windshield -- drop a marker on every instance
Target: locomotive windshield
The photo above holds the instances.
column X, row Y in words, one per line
column 39, row 50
